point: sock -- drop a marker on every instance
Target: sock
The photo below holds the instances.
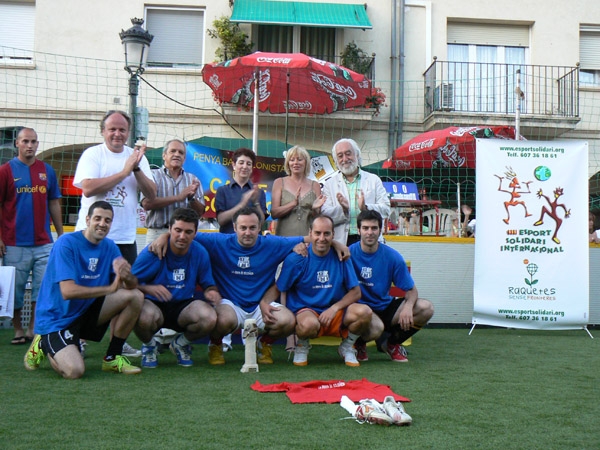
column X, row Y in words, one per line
column 182, row 340
column 360, row 341
column 266, row 339
column 351, row 339
column 150, row 343
column 398, row 335
column 115, row 348
column 218, row 341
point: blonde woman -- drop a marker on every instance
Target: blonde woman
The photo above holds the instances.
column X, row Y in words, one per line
column 295, row 196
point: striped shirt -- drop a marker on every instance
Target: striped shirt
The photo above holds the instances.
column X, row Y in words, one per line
column 354, row 210
column 167, row 186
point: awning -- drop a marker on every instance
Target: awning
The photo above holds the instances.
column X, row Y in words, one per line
column 334, row 15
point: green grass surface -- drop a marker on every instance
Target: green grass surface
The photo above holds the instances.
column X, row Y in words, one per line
column 509, row 389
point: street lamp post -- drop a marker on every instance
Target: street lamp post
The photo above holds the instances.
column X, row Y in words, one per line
column 136, row 42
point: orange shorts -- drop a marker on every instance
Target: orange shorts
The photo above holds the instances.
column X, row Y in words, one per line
column 336, row 328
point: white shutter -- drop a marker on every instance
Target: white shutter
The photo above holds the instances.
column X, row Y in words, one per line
column 178, row 36
column 17, row 30
column 589, row 47
column 488, row 34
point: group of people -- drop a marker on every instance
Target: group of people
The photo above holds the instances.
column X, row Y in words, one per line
column 303, row 282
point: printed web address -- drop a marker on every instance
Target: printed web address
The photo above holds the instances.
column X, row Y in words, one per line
column 541, row 312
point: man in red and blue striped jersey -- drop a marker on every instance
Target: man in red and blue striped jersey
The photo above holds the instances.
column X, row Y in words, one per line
column 29, row 198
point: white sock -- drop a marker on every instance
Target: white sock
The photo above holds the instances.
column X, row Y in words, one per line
column 351, row 339
column 182, row 340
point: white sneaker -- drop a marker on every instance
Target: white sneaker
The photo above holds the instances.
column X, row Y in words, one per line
column 130, row 352
column 396, row 411
column 348, row 352
column 301, row 352
column 371, row 411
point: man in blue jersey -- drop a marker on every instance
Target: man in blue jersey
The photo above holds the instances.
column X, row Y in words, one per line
column 377, row 266
column 86, row 285
column 169, row 285
column 323, row 293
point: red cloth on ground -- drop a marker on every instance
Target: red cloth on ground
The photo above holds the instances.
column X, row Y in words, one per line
column 330, row 391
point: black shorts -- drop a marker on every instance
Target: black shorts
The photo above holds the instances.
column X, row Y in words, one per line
column 171, row 312
column 84, row 327
column 387, row 315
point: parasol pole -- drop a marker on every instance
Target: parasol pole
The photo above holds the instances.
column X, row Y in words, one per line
column 458, row 212
column 520, row 95
column 287, row 107
column 255, row 115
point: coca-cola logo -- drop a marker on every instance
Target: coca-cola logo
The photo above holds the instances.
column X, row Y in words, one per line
column 265, row 59
column 416, row 146
column 214, row 81
column 450, row 154
column 297, row 106
column 332, row 85
column 462, row 131
column 265, row 80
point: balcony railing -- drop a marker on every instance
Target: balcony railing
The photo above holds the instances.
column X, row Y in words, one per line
column 490, row 88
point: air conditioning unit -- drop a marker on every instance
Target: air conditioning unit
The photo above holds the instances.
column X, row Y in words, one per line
column 444, row 97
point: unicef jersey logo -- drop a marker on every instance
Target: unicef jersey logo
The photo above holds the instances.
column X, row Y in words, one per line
column 179, row 275
column 93, row 264
column 366, row 272
column 323, row 276
column 243, row 262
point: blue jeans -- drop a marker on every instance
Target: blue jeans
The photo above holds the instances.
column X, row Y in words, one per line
column 24, row 260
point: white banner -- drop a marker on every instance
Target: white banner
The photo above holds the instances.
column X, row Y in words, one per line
column 531, row 246
column 7, row 290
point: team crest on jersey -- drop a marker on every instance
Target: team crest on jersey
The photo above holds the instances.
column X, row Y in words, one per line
column 323, row 276
column 43, row 176
column 366, row 272
column 93, row 264
column 179, row 275
column 243, row 262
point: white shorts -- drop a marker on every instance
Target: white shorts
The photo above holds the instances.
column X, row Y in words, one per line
column 242, row 315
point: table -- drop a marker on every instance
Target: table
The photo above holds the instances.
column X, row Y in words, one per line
column 418, row 205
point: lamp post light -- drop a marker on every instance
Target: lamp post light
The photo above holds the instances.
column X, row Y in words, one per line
column 136, row 42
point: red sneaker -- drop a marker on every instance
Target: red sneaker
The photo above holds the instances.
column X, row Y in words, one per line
column 361, row 352
column 396, row 352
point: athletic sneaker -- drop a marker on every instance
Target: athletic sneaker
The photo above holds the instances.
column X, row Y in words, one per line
column 183, row 353
column 265, row 353
column 301, row 352
column 215, row 354
column 150, row 356
column 120, row 365
column 361, row 352
column 348, row 352
column 371, row 411
column 34, row 355
column 130, row 352
column 396, row 352
column 396, row 411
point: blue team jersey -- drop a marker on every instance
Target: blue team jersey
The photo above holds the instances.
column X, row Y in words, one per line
column 75, row 258
column 377, row 271
column 179, row 274
column 315, row 282
column 243, row 274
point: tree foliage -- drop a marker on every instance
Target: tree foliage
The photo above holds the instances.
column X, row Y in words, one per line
column 234, row 42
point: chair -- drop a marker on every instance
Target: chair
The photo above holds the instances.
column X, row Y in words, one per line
column 438, row 223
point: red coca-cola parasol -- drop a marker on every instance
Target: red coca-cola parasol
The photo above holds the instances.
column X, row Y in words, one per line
column 287, row 83
column 450, row 147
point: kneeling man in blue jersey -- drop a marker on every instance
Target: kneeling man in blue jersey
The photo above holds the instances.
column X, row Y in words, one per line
column 87, row 283
column 377, row 266
column 244, row 266
column 323, row 292
column 169, row 285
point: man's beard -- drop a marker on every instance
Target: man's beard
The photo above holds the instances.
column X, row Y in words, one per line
column 349, row 169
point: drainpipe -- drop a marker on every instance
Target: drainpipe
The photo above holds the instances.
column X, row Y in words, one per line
column 397, row 77
column 393, row 77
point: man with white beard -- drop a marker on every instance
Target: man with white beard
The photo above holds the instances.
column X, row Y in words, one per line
column 350, row 191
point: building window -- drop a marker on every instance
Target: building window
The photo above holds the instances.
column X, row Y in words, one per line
column 178, row 36
column 483, row 60
column 313, row 41
column 589, row 55
column 16, row 33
